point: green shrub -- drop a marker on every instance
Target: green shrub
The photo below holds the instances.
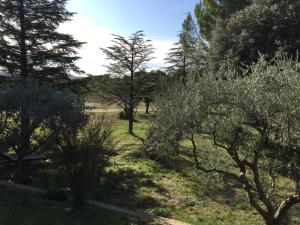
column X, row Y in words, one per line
column 56, row 194
column 86, row 152
column 159, row 211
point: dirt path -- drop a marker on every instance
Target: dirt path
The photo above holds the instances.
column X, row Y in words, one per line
column 142, row 216
column 109, row 110
column 102, row 110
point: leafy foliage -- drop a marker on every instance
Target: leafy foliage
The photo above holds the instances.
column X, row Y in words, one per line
column 86, row 151
column 254, row 121
column 264, row 27
column 129, row 56
column 188, row 56
column 208, row 12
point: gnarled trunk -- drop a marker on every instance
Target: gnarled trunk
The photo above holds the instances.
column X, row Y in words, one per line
column 195, row 151
column 147, row 104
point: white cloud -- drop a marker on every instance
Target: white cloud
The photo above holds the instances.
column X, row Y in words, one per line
column 95, row 36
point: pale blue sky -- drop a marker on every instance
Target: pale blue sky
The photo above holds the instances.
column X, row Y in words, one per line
column 96, row 20
column 155, row 17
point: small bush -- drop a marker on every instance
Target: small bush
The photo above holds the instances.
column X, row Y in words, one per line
column 56, row 194
column 160, row 211
column 243, row 206
column 86, row 153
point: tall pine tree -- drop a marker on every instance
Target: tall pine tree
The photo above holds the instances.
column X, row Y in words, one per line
column 32, row 48
column 31, row 45
column 189, row 54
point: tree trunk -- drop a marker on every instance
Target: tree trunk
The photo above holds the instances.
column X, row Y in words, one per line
column 23, row 47
column 79, row 194
column 130, row 121
column 147, row 104
column 184, row 79
column 285, row 206
column 271, row 221
column 195, row 152
column 131, row 106
column 24, row 145
column 19, row 170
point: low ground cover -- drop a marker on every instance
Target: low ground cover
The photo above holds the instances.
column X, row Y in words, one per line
column 18, row 207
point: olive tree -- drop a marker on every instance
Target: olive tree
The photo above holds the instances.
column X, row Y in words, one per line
column 175, row 123
column 253, row 123
column 257, row 126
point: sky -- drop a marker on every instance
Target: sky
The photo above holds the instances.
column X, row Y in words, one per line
column 97, row 20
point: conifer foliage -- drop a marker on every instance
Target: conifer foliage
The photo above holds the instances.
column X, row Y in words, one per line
column 31, row 45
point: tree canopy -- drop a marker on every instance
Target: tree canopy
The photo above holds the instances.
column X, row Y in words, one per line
column 208, row 12
column 30, row 43
column 127, row 57
column 252, row 123
column 264, row 27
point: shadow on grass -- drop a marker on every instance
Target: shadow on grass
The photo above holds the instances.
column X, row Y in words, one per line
column 31, row 209
column 222, row 191
column 121, row 187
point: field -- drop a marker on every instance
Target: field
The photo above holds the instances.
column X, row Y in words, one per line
column 169, row 188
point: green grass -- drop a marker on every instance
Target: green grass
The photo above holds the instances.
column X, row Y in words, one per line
column 135, row 181
column 92, row 105
column 171, row 188
column 23, row 208
column 168, row 188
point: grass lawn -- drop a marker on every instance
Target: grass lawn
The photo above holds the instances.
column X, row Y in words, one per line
column 104, row 106
column 22, row 208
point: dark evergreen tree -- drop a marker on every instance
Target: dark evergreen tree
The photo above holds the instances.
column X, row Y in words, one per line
column 32, row 48
column 189, row 54
column 177, row 63
column 31, row 45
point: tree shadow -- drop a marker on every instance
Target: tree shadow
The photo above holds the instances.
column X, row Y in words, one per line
column 222, row 192
column 122, row 187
